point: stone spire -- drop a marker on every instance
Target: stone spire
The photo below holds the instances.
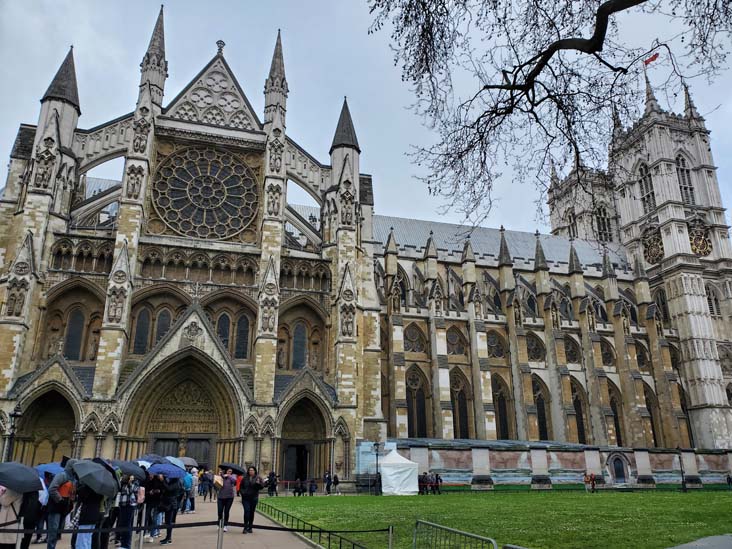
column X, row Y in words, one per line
column 154, row 67
column 391, row 252
column 608, row 271
column 63, row 86
column 504, row 256
column 345, row 135
column 468, row 254
column 540, row 263
column 651, row 101
column 575, row 267
column 689, row 107
column 275, row 88
column 430, row 250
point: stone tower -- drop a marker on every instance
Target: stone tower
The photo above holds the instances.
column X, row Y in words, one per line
column 671, row 216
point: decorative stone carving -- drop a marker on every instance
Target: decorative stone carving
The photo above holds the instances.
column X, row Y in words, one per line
column 45, row 161
column 275, row 152
column 119, row 277
column 625, row 321
column 395, row 298
column 116, row 304
column 517, row 315
column 17, row 290
column 269, row 315
column 192, row 332
column 274, row 195
column 347, row 204
column 591, row 321
column 556, row 321
column 141, row 129
column 348, row 314
column 134, row 181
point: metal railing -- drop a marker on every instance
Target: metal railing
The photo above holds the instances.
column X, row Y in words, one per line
column 428, row 535
column 324, row 538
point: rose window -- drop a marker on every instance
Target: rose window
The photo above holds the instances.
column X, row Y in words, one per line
column 205, row 193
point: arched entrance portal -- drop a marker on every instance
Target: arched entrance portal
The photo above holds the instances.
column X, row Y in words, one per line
column 46, row 430
column 186, row 409
column 305, row 448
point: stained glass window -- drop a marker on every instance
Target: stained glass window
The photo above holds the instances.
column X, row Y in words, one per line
column 74, row 335
column 142, row 332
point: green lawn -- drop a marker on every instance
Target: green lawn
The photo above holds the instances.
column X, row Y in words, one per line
column 644, row 519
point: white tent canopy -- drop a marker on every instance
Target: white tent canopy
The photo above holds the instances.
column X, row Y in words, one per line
column 398, row 475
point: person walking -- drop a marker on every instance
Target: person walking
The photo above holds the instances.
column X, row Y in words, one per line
column 226, row 497
column 87, row 514
column 593, row 482
column 249, row 489
column 438, row 483
column 729, row 481
column 207, row 485
column 336, row 482
column 272, row 484
column 313, row 487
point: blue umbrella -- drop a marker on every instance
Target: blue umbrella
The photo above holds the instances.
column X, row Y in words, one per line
column 167, row 470
column 176, row 461
column 53, row 468
column 153, row 458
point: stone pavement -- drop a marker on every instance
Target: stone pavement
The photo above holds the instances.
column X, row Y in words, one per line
column 712, row 542
column 205, row 536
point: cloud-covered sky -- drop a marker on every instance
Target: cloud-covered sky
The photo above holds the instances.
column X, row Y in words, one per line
column 328, row 54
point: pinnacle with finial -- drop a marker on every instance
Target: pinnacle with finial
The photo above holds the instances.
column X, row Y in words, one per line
column 540, row 263
column 575, row 266
column 220, row 47
column 689, row 107
column 504, row 255
column 651, row 101
column 639, row 271
column 608, row 271
column 345, row 134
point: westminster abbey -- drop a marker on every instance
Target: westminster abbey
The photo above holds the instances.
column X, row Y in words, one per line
column 189, row 308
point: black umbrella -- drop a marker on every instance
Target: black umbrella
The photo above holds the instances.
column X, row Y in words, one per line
column 97, row 477
column 130, row 468
column 19, row 478
column 233, row 466
column 153, row 459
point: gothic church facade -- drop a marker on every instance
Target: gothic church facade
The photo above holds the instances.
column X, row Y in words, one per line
column 190, row 309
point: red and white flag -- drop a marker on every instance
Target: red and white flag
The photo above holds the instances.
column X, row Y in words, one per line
column 651, row 59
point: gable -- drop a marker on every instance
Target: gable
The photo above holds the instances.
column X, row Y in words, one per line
column 215, row 98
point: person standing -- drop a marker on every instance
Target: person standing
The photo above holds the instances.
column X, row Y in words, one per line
column 313, row 487
column 89, row 514
column 729, row 481
column 10, row 502
column 593, row 482
column 438, row 483
column 193, row 491
column 172, row 493
column 127, row 506
column 272, row 484
column 153, row 494
column 327, row 482
column 336, row 482
column 249, row 489
column 226, row 497
column 60, row 494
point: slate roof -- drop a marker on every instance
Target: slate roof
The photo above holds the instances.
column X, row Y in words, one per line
column 23, row 146
column 63, row 85
column 412, row 234
column 86, row 376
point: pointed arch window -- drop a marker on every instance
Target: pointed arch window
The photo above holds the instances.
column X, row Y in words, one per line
column 414, row 340
column 142, row 332
column 416, row 403
column 241, row 350
column 501, row 403
column 616, row 406
column 579, row 411
column 713, row 302
column 662, row 307
column 496, row 345
column 652, row 407
column 459, row 397
column 686, row 187
column 456, row 344
column 645, row 184
column 74, row 335
column 641, row 356
column 608, row 354
column 535, row 348
column 541, row 402
column 299, row 346
column 572, row 223
column 604, row 225
column 162, row 324
column 223, row 329
column 572, row 351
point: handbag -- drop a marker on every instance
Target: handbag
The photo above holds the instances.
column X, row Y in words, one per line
column 218, row 481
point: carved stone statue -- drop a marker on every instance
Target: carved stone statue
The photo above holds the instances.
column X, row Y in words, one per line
column 134, row 181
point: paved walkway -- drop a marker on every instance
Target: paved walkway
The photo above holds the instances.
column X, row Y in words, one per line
column 712, row 542
column 205, row 536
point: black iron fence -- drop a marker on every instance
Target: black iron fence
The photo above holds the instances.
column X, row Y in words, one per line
column 428, row 535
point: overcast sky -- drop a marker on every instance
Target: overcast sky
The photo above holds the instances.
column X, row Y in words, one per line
column 328, row 54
